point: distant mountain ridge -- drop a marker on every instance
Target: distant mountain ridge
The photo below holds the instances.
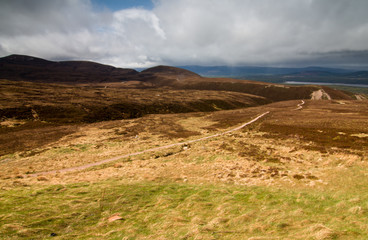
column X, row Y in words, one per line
column 223, row 71
column 281, row 75
column 26, row 68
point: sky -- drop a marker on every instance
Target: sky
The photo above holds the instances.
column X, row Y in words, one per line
column 145, row 33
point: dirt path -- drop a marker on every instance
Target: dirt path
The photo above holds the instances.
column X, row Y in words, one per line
column 300, row 105
column 78, row 168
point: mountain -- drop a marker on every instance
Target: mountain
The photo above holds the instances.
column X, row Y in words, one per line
column 241, row 71
column 281, row 75
column 26, row 68
column 181, row 79
column 359, row 74
column 19, row 67
column 351, row 78
column 34, row 90
column 168, row 70
column 166, row 75
column 313, row 74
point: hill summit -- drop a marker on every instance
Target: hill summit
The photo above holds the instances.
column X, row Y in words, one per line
column 170, row 71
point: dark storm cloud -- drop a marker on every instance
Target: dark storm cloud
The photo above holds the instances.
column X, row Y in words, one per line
column 342, row 58
column 264, row 32
column 207, row 32
column 23, row 17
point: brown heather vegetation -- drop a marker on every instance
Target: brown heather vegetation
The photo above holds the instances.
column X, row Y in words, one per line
column 91, row 103
column 294, row 174
column 41, row 110
column 299, row 172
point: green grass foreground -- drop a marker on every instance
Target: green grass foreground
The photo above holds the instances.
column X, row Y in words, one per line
column 179, row 211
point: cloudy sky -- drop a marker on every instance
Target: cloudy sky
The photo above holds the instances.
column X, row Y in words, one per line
column 143, row 33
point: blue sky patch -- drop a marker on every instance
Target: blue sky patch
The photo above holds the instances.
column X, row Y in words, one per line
column 116, row 5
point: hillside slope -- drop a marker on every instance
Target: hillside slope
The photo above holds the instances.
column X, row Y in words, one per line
column 26, row 68
column 294, row 174
column 183, row 79
column 65, row 103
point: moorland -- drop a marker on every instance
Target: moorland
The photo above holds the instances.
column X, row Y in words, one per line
column 298, row 172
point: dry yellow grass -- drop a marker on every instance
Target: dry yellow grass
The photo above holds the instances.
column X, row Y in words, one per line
column 261, row 182
column 245, row 157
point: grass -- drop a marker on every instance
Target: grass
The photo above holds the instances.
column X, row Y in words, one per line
column 72, row 149
column 291, row 175
column 179, row 211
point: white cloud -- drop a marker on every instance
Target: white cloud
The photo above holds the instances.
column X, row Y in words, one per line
column 131, row 18
column 264, row 31
column 203, row 32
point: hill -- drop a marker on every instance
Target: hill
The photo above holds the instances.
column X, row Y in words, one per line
column 182, row 79
column 26, row 68
column 294, row 174
column 97, row 92
column 281, row 75
column 180, row 73
column 65, row 103
column 242, row 71
column 169, row 154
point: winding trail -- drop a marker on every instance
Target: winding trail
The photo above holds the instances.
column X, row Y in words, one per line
column 299, row 106
column 78, row 168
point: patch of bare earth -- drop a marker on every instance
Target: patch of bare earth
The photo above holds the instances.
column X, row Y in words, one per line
column 319, row 95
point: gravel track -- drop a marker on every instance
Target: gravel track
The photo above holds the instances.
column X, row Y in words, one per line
column 78, row 168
